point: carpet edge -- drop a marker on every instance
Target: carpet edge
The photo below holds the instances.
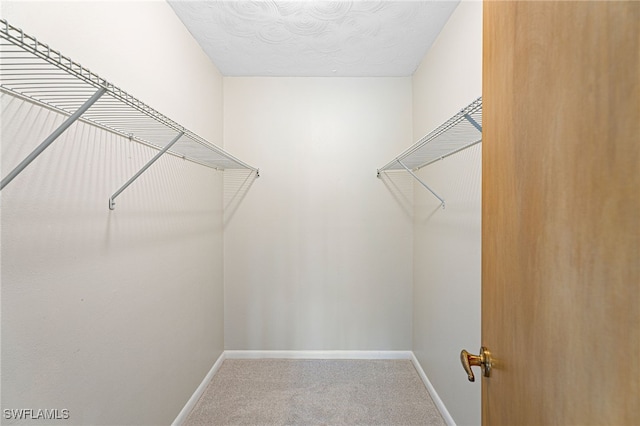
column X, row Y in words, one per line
column 337, row 354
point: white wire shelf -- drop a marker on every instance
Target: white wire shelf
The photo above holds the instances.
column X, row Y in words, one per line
column 31, row 69
column 461, row 131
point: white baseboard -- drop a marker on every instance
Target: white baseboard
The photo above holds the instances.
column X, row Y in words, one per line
column 184, row 413
column 319, row 354
column 432, row 391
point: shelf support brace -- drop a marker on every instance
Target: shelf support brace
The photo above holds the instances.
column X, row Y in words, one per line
column 421, row 182
column 112, row 203
column 52, row 137
column 473, row 122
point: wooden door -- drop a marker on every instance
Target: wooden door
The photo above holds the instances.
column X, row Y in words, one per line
column 561, row 213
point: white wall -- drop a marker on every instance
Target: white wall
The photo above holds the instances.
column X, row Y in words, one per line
column 318, row 255
column 114, row 315
column 117, row 316
column 446, row 300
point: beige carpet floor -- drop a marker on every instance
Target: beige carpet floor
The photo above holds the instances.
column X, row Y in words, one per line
column 315, row 392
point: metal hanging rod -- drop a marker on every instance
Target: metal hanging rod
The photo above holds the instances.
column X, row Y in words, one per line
column 33, row 70
column 460, row 132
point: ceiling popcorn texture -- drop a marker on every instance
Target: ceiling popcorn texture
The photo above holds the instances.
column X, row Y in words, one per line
column 315, row 38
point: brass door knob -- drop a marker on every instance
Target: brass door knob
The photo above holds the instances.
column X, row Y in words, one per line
column 483, row 361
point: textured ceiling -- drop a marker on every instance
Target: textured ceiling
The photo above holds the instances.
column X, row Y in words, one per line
column 315, row 38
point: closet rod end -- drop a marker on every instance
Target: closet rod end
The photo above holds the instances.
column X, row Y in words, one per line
column 112, row 204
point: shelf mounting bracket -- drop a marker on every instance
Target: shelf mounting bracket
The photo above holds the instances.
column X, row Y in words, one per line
column 112, row 203
column 52, row 137
column 473, row 122
column 421, row 182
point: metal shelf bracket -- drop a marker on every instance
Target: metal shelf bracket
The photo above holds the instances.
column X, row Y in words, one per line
column 473, row 122
column 422, row 183
column 52, row 137
column 112, row 203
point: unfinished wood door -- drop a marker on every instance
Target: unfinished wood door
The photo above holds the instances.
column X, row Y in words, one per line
column 561, row 213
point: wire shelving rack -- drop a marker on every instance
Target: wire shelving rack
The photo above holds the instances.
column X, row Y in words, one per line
column 460, row 132
column 33, row 70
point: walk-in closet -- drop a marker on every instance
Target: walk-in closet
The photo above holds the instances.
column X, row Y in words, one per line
column 255, row 212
